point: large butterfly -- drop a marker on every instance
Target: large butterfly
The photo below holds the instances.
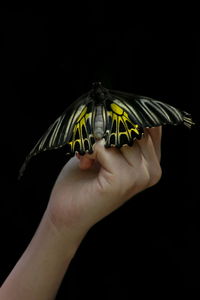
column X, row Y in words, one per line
column 118, row 117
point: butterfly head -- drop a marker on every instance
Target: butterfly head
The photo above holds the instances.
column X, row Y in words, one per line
column 98, row 92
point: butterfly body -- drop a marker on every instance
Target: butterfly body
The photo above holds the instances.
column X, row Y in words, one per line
column 118, row 117
column 99, row 124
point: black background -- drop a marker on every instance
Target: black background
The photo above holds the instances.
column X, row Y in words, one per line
column 49, row 57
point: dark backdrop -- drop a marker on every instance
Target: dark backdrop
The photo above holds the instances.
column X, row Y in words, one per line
column 48, row 59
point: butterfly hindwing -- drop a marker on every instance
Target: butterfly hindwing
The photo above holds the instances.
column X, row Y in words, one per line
column 121, row 129
column 82, row 138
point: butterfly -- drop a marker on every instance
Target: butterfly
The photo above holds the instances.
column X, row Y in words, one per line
column 118, row 117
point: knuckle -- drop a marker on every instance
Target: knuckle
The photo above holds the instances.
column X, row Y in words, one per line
column 142, row 179
column 146, row 178
column 155, row 175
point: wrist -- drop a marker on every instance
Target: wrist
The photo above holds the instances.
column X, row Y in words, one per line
column 40, row 270
column 65, row 232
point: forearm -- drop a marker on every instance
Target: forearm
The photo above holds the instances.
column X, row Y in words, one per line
column 40, row 270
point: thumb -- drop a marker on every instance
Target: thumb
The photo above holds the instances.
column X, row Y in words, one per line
column 109, row 158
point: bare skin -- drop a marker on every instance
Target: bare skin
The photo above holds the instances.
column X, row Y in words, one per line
column 87, row 189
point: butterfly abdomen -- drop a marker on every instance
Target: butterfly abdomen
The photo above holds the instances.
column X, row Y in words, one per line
column 99, row 123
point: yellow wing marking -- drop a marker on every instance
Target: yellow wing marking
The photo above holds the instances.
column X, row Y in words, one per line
column 116, row 109
column 81, row 138
column 119, row 115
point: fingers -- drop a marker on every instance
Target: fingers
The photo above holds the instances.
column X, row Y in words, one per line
column 109, row 158
column 149, row 146
column 132, row 155
column 150, row 149
column 85, row 162
column 156, row 134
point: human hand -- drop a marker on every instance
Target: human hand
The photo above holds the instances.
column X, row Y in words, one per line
column 90, row 187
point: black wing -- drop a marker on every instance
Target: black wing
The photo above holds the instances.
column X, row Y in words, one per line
column 125, row 117
column 148, row 112
column 120, row 128
column 73, row 128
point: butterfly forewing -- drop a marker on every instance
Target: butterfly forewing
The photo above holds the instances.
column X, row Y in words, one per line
column 148, row 112
column 61, row 132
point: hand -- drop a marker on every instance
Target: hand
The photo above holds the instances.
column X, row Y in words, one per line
column 90, row 187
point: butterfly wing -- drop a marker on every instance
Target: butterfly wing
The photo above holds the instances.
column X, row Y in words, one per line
column 73, row 129
column 121, row 128
column 148, row 112
column 124, row 115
